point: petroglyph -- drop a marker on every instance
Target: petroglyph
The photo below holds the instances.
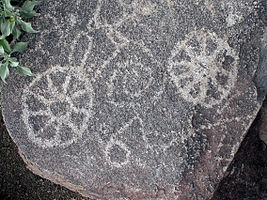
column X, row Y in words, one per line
column 62, row 99
column 203, row 67
column 128, row 77
column 234, row 11
column 117, row 153
column 65, row 100
column 140, row 7
column 132, row 100
column 57, row 97
column 60, row 113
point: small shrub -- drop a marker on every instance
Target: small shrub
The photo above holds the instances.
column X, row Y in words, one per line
column 12, row 24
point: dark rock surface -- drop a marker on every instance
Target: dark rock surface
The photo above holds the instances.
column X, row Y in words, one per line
column 263, row 125
column 138, row 99
column 244, row 179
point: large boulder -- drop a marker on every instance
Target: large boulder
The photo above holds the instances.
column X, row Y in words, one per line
column 138, row 99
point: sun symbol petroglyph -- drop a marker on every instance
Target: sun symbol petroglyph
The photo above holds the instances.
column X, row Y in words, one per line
column 63, row 112
column 203, row 67
column 65, row 108
column 62, row 98
column 115, row 99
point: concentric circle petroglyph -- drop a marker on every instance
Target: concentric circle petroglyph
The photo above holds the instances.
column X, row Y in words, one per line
column 203, row 67
column 128, row 79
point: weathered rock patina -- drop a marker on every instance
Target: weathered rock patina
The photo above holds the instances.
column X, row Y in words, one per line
column 137, row 99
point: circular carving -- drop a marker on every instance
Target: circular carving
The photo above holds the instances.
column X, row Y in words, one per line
column 63, row 101
column 203, row 67
column 115, row 120
column 127, row 82
column 128, row 75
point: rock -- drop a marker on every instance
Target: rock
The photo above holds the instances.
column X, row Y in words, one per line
column 263, row 123
column 138, row 99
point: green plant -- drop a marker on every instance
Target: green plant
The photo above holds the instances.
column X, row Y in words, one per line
column 12, row 24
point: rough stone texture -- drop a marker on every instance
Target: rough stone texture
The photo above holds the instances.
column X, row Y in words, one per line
column 263, row 125
column 138, row 99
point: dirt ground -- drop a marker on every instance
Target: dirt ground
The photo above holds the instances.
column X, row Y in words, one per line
column 246, row 177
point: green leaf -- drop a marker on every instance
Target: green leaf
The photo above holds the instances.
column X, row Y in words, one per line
column 7, row 4
column 8, row 13
column 2, row 51
column 29, row 14
column 16, row 33
column 27, row 9
column 29, row 5
column 12, row 26
column 5, row 28
column 4, row 43
column 20, row 47
column 25, row 71
column 4, row 72
column 13, row 59
column 14, row 64
column 26, row 26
